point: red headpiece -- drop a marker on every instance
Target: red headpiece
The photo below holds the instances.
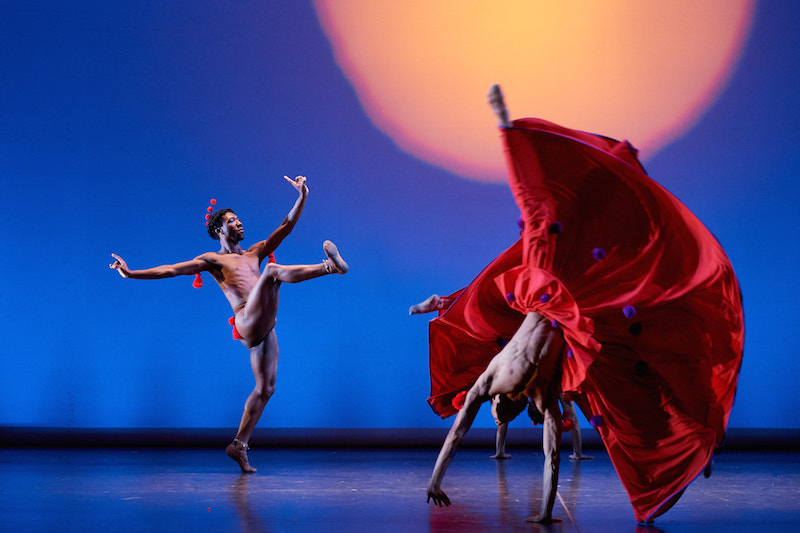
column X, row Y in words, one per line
column 198, row 280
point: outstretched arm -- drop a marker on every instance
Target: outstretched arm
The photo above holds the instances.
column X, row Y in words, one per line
column 271, row 243
column 466, row 416
column 164, row 271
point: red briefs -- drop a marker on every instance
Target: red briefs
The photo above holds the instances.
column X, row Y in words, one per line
column 645, row 296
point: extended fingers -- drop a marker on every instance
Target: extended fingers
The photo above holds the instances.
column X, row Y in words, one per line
column 439, row 498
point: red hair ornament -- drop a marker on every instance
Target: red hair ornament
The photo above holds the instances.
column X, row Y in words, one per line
column 198, row 279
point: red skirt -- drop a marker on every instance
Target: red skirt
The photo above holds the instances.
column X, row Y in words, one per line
column 645, row 296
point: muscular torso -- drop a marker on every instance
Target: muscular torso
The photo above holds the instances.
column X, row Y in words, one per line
column 529, row 364
column 236, row 275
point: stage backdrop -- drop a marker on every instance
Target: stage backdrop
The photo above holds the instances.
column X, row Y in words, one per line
column 120, row 120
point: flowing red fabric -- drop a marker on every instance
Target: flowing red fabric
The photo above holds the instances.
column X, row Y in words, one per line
column 645, row 296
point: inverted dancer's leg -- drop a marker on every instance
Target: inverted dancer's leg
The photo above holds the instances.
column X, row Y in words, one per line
column 264, row 361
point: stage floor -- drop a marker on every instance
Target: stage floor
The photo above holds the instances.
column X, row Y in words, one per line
column 381, row 490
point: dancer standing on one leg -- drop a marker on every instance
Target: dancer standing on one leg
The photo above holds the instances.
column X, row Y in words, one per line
column 253, row 295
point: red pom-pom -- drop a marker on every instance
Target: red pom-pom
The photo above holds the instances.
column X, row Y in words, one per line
column 209, row 209
column 567, row 425
column 208, row 217
column 198, row 281
column 458, row 400
column 271, row 258
column 213, row 202
column 236, row 335
column 232, row 321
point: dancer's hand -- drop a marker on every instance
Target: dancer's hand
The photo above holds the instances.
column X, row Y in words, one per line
column 438, row 496
column 119, row 265
column 298, row 183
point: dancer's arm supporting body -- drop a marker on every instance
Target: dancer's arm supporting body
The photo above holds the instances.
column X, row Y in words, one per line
column 527, row 366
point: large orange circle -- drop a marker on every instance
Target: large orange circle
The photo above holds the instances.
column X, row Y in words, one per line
column 643, row 71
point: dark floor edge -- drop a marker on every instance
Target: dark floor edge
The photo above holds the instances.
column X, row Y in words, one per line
column 12, row 436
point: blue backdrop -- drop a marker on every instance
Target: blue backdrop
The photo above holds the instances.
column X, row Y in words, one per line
column 121, row 119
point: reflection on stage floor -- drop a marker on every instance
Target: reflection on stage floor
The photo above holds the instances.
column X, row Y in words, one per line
column 382, row 490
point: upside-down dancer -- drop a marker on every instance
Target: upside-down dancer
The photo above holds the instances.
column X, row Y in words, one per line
column 570, row 419
column 616, row 296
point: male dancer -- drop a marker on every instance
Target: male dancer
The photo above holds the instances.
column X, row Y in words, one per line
column 253, row 295
column 529, row 366
column 441, row 303
column 616, row 294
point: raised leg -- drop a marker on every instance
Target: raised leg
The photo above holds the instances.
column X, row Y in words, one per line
column 257, row 317
column 264, row 362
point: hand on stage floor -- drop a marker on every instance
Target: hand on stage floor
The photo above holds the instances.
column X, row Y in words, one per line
column 438, row 496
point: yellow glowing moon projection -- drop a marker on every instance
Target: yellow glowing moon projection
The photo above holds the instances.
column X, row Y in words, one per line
column 642, row 71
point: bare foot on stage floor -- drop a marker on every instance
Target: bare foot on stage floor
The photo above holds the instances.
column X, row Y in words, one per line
column 238, row 452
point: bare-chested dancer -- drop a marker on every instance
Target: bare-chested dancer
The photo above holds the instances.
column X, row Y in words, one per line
column 440, row 303
column 253, row 295
column 527, row 367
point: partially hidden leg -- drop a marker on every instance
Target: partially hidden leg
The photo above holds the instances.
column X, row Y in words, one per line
column 264, row 361
column 500, row 443
column 575, row 432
